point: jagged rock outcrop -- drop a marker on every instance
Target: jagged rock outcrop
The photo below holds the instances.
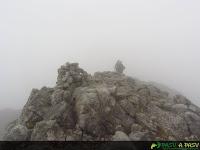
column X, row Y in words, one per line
column 105, row 106
column 119, row 67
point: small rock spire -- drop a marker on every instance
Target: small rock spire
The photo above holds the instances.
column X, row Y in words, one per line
column 119, row 67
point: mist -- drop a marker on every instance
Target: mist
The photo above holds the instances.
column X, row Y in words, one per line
column 156, row 40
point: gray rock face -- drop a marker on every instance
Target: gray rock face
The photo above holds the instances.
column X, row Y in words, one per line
column 105, row 106
column 179, row 108
column 193, row 122
column 138, row 136
column 47, row 131
column 179, row 99
column 17, row 132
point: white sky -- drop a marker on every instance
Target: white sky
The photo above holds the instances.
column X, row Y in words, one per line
column 157, row 40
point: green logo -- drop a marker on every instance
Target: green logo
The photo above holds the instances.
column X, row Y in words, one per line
column 155, row 145
column 175, row 145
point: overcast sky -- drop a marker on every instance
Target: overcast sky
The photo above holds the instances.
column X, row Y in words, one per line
column 158, row 40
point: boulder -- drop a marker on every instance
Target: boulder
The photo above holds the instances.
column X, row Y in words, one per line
column 17, row 133
column 179, row 108
column 120, row 136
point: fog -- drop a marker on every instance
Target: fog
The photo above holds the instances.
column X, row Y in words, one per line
column 156, row 40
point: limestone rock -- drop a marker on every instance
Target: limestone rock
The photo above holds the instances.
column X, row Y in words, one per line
column 138, row 136
column 179, row 99
column 106, row 106
column 193, row 122
column 47, row 131
column 120, row 136
column 37, row 106
column 17, row 133
column 57, row 96
column 179, row 108
column 135, row 127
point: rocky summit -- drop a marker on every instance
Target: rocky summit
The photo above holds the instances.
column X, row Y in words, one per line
column 106, row 106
